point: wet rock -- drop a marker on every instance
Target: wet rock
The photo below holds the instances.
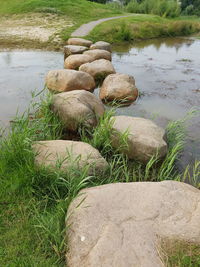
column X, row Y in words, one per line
column 101, row 45
column 98, row 54
column 68, row 80
column 73, row 49
column 122, row 224
column 145, row 138
column 62, row 154
column 77, row 108
column 119, row 87
column 79, row 41
column 98, row 69
column 75, row 61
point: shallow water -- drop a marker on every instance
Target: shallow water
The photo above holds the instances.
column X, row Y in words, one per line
column 22, row 72
column 167, row 73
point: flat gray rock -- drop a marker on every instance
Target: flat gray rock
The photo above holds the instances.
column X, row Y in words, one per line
column 120, row 225
column 79, row 41
column 74, row 49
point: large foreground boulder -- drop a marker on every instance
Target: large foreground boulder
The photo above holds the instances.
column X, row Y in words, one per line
column 79, row 41
column 98, row 54
column 144, row 140
column 63, row 154
column 73, row 49
column 119, row 87
column 121, row 225
column 77, row 108
column 98, row 69
column 68, row 80
column 75, row 61
column 101, row 45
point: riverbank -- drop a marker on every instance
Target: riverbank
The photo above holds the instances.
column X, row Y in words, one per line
column 34, row 201
column 142, row 27
column 46, row 24
column 41, row 25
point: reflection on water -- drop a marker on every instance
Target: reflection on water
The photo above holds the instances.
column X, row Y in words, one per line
column 167, row 73
column 156, row 43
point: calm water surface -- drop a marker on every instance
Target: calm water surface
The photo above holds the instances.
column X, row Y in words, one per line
column 167, row 73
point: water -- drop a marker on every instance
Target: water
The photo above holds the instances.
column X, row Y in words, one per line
column 167, row 73
column 22, row 72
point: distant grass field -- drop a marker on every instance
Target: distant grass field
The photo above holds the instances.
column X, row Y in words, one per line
column 139, row 27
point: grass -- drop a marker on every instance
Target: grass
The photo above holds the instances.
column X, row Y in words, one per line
column 34, row 202
column 132, row 28
column 78, row 11
column 180, row 254
column 139, row 27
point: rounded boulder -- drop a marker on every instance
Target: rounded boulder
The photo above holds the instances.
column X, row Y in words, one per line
column 144, row 138
column 77, row 108
column 119, row 87
column 69, row 80
column 98, row 69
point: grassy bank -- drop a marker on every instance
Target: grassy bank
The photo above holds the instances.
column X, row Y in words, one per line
column 140, row 27
column 33, row 202
column 64, row 16
column 78, row 12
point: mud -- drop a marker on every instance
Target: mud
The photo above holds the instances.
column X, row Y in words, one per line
column 32, row 31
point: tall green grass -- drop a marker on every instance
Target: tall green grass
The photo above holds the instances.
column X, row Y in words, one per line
column 163, row 8
column 141, row 27
column 34, row 201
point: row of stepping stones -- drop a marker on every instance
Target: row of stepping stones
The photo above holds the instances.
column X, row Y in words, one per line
column 116, row 224
column 76, row 105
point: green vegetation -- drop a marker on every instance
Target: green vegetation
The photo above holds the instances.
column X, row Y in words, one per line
column 180, row 254
column 78, row 11
column 33, row 202
column 164, row 8
column 139, row 27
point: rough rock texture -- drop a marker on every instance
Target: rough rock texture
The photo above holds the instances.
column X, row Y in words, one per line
column 75, row 61
column 73, row 49
column 120, row 225
column 119, row 87
column 101, row 45
column 65, row 154
column 99, row 69
column 76, row 108
column 68, row 80
column 99, row 54
column 79, row 41
column 145, row 138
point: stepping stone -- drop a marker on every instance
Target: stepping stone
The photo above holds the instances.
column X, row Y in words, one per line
column 73, row 49
column 65, row 154
column 75, row 61
column 122, row 224
column 98, row 69
column 68, row 80
column 145, row 138
column 98, row 54
column 77, row 108
column 101, row 45
column 120, row 88
column 79, row 41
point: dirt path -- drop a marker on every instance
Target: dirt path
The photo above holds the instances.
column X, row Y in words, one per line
column 85, row 29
